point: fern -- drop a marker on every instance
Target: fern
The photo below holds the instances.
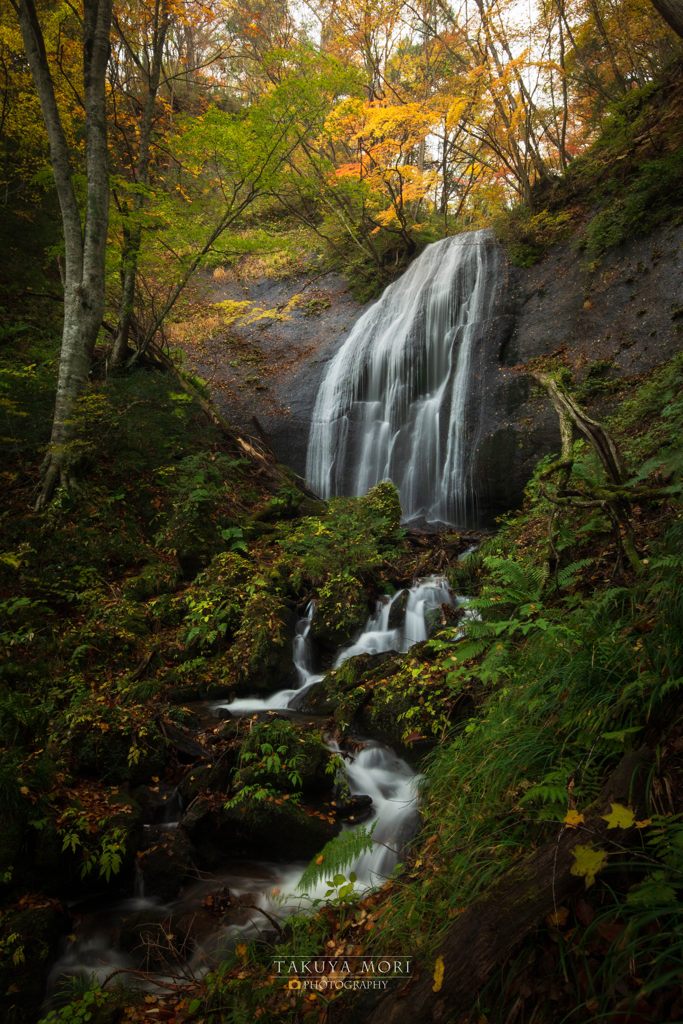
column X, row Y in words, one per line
column 566, row 576
column 337, row 855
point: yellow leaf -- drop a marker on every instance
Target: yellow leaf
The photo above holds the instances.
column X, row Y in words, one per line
column 644, row 823
column 438, row 974
column 241, row 951
column 573, row 818
column 620, row 817
column 24, row 790
column 588, row 861
column 319, row 859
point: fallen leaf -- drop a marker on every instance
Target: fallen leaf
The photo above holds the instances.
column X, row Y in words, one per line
column 588, row 861
column 438, row 974
column 620, row 817
column 558, row 919
column 573, row 818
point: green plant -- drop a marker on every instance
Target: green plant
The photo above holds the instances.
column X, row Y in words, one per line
column 336, row 856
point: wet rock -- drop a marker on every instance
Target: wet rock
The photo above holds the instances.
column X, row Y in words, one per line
column 158, row 803
column 397, row 612
column 296, row 833
column 357, row 808
column 287, row 756
column 166, row 863
column 221, row 713
column 185, row 747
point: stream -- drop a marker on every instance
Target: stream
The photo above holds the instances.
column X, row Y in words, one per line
column 373, row 770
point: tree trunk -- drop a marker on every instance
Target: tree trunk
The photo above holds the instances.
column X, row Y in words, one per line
column 672, row 12
column 489, row 930
column 133, row 237
column 84, row 246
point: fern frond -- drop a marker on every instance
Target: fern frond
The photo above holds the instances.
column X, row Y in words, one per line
column 566, row 576
column 338, row 854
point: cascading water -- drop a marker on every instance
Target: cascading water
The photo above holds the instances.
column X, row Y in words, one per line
column 374, row 770
column 394, row 402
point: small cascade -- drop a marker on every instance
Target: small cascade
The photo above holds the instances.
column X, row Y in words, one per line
column 424, row 596
column 302, row 657
column 374, row 770
column 401, row 399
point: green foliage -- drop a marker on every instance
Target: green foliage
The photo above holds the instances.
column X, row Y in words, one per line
column 527, row 236
column 85, row 1006
column 336, row 856
column 650, row 198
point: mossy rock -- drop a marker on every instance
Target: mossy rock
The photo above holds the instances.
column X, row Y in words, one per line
column 353, row 675
column 167, row 863
column 256, row 828
column 260, row 659
column 304, row 753
column 157, row 578
column 217, row 778
column 341, row 612
column 105, row 756
column 384, row 501
column 36, row 937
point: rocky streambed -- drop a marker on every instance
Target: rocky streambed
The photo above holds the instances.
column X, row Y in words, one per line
column 268, row 781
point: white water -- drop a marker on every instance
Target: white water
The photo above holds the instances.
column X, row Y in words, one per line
column 375, row 770
column 393, row 404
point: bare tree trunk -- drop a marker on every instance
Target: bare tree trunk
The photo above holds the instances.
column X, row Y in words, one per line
column 85, row 245
column 672, row 12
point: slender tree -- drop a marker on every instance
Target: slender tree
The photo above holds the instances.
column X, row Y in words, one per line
column 84, row 240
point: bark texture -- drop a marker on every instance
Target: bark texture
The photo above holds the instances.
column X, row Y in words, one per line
column 490, row 929
column 84, row 243
column 672, row 12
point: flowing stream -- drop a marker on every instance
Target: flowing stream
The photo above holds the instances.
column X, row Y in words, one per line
column 397, row 400
column 375, row 770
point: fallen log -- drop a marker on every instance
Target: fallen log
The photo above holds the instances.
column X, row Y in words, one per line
column 489, row 930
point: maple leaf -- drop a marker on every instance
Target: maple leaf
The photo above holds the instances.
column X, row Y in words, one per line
column 588, row 861
column 572, row 819
column 619, row 817
column 438, row 974
column 644, row 823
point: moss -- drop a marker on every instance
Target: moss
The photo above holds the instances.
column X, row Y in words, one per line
column 341, row 611
column 260, row 659
column 287, row 756
column 250, row 829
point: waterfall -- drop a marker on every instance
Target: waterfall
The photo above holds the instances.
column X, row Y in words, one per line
column 394, row 402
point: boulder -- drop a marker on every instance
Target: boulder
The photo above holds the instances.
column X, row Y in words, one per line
column 286, row 756
column 283, row 829
column 166, row 862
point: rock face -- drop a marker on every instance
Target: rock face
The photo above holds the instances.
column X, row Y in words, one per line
column 619, row 313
